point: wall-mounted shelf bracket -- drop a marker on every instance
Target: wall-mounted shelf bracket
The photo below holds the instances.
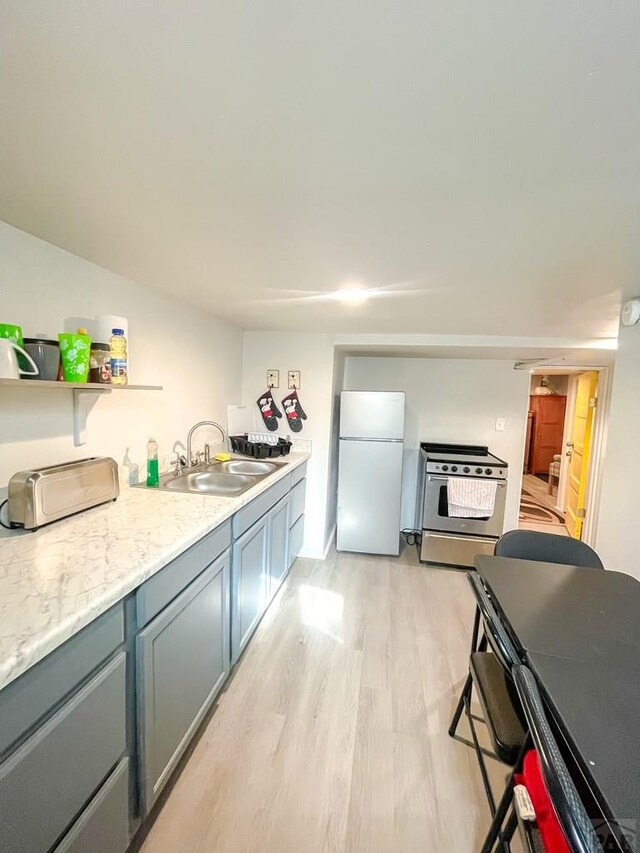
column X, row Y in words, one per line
column 84, row 396
column 83, row 400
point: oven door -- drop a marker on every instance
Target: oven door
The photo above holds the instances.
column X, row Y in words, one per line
column 435, row 515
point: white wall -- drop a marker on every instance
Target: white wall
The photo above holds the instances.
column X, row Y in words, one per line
column 617, row 537
column 339, row 362
column 312, row 355
column 452, row 400
column 197, row 358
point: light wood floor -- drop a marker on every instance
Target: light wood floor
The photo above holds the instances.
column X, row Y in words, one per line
column 332, row 736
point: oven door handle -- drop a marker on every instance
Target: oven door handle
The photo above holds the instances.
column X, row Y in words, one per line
column 433, row 478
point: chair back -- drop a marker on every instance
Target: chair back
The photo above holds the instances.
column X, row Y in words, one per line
column 495, row 633
column 547, row 548
column 570, row 811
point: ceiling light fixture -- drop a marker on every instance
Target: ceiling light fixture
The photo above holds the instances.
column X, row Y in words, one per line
column 351, row 295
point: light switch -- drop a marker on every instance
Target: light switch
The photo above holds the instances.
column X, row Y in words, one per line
column 273, row 378
column 500, row 424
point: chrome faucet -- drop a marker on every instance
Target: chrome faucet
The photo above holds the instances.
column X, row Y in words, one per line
column 197, row 426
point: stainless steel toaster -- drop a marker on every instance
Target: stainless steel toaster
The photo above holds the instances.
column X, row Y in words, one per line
column 43, row 495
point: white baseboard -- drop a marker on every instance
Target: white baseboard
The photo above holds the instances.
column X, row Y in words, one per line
column 329, row 542
column 311, row 554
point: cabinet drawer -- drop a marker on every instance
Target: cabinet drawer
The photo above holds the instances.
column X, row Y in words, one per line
column 298, row 494
column 183, row 661
column 47, row 781
column 298, row 473
column 296, row 538
column 103, row 827
column 162, row 588
column 249, row 514
column 30, row 698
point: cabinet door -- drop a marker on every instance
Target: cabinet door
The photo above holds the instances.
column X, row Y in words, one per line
column 298, row 494
column 279, row 518
column 548, row 430
column 47, row 781
column 249, row 581
column 183, row 660
column 296, row 537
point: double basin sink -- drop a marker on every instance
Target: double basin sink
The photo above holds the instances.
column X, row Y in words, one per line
column 223, row 479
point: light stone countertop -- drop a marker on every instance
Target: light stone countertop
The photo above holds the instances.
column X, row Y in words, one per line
column 55, row 581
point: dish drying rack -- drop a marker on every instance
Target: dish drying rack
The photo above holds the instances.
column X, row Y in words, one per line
column 260, row 445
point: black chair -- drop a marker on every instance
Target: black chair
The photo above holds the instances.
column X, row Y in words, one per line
column 489, row 673
column 570, row 812
column 547, row 548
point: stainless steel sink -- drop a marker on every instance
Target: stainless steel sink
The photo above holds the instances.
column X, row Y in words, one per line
column 247, row 466
column 209, row 482
column 224, row 479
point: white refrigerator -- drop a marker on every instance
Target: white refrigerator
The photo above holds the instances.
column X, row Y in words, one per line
column 370, row 471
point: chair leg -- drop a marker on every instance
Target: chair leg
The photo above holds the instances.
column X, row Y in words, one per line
column 495, row 830
column 476, row 630
column 498, row 818
column 466, row 691
column 481, row 762
column 507, row 835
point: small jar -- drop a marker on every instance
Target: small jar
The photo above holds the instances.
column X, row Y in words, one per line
column 100, row 364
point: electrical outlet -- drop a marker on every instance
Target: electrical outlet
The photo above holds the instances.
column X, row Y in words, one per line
column 273, row 378
column 294, row 379
column 500, row 424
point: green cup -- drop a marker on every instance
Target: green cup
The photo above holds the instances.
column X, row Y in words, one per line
column 75, row 351
column 12, row 333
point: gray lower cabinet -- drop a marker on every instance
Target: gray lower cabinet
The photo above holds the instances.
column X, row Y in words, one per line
column 68, row 726
column 103, row 827
column 298, row 497
column 28, row 701
column 279, row 516
column 49, row 779
column 182, row 662
column 249, row 583
column 296, row 537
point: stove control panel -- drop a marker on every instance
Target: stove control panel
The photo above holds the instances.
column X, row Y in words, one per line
column 467, row 470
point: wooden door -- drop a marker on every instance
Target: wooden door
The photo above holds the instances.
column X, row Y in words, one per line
column 580, row 450
column 548, row 429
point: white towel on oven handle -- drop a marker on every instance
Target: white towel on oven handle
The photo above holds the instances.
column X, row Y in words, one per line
column 469, row 498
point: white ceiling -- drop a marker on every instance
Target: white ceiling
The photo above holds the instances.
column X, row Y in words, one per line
column 482, row 157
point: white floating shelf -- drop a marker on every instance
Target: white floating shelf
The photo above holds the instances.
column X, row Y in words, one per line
column 84, row 386
column 83, row 392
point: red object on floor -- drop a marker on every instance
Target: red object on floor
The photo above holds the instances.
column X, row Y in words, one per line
column 531, row 777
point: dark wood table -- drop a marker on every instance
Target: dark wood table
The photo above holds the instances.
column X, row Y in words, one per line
column 578, row 630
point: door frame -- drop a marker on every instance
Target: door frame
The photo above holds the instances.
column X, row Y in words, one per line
column 561, row 497
column 598, row 446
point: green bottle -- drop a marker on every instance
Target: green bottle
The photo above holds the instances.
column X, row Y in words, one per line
column 153, row 475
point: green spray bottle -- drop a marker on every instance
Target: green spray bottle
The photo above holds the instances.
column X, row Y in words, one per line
column 153, row 474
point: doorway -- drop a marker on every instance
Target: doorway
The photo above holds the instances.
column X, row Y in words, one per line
column 561, row 460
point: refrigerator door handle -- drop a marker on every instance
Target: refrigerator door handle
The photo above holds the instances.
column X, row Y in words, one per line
column 379, row 440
